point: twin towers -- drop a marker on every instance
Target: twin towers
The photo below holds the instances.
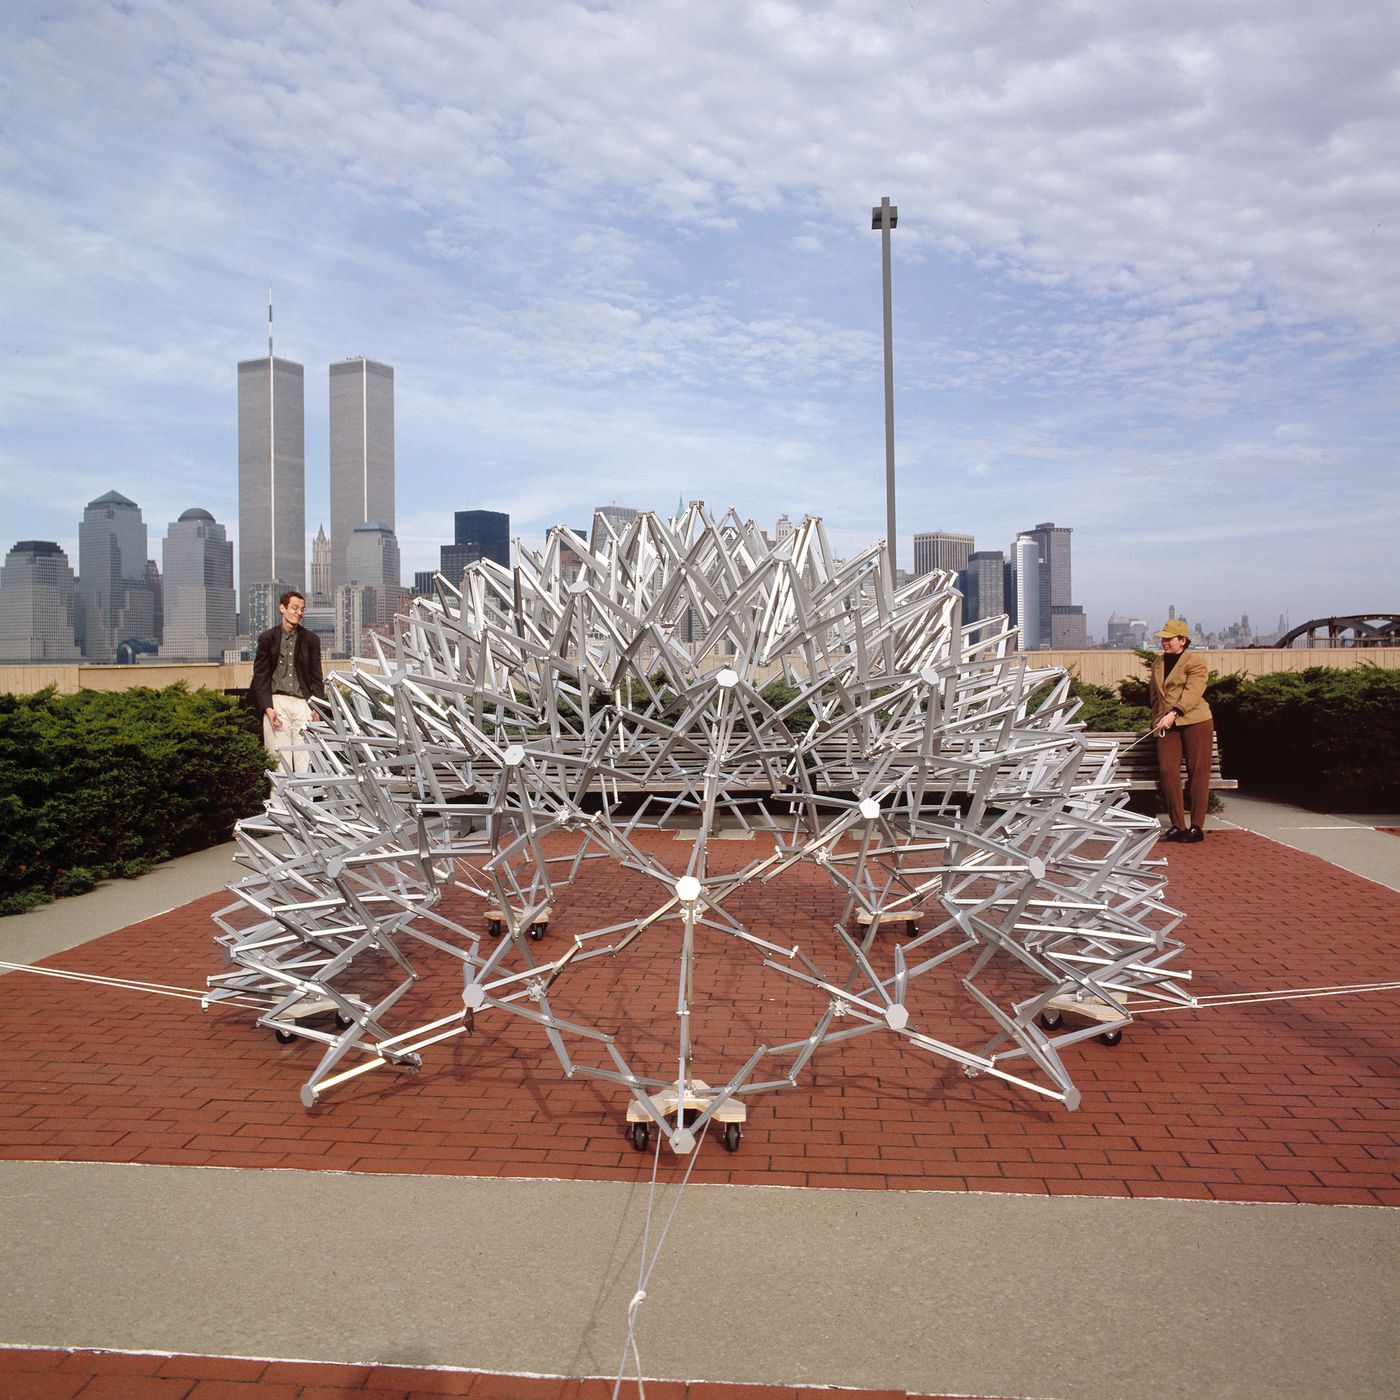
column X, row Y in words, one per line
column 272, row 475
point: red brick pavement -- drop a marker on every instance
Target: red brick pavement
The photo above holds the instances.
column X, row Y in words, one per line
column 1282, row 1101
column 32, row 1374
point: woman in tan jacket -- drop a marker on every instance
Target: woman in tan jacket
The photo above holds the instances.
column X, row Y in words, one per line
column 1184, row 727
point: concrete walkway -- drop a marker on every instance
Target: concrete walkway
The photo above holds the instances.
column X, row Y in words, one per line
column 939, row 1292
column 925, row 1291
column 1353, row 841
column 66, row 923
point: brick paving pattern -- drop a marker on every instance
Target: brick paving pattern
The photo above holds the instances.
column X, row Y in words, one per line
column 1284, row 1101
column 32, row 1374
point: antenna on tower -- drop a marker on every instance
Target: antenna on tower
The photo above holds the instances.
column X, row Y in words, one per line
column 269, row 323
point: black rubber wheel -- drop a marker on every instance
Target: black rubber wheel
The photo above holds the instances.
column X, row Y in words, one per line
column 537, row 931
column 1111, row 1037
column 493, row 927
column 731, row 1137
column 640, row 1133
column 1050, row 1019
column 343, row 1021
column 285, row 1037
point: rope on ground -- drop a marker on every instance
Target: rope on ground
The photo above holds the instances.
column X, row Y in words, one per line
column 159, row 989
column 1276, row 994
column 645, row 1265
column 166, row 989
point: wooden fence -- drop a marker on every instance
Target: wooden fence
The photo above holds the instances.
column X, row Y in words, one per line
column 1105, row 668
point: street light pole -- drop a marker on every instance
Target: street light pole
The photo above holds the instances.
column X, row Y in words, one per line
column 884, row 217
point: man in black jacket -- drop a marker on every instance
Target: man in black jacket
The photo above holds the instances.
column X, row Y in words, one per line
column 286, row 676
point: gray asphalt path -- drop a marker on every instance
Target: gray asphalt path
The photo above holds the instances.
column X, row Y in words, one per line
column 926, row 1291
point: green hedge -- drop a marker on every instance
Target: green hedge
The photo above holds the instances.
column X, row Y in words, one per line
column 1321, row 737
column 104, row 784
column 1102, row 709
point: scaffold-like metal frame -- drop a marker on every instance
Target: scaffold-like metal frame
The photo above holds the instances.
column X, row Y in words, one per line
column 605, row 689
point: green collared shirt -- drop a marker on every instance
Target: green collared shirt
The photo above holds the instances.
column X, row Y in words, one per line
column 285, row 680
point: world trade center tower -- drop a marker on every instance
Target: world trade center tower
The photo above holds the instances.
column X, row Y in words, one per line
column 271, row 486
column 362, row 454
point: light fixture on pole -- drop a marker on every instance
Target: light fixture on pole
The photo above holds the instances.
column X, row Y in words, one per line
column 884, row 217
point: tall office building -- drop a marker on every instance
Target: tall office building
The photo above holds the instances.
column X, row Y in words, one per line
column 362, row 453
column 373, row 556
column 477, row 534
column 618, row 519
column 321, row 569
column 1062, row 623
column 1125, row 631
column 373, row 564
column 940, row 549
column 198, row 589
column 356, row 607
column 115, row 599
column 271, row 481
column 157, row 587
column 258, row 608
column 37, row 598
column 984, row 592
column 1025, row 573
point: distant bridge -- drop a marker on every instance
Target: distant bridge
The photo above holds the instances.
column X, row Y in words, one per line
column 1359, row 630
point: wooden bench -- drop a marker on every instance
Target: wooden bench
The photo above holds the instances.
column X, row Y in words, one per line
column 1137, row 766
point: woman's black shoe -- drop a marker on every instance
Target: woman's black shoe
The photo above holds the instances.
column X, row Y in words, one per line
column 1194, row 834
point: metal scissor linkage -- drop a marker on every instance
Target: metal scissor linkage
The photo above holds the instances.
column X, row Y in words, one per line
column 986, row 876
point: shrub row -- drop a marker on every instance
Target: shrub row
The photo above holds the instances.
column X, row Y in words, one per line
column 1321, row 737
column 104, row 784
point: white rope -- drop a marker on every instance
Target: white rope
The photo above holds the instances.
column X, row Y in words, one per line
column 166, row 989
column 1380, row 984
column 159, row 989
column 1261, row 997
column 646, row 1266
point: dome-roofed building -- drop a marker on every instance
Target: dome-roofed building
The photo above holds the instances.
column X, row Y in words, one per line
column 199, row 611
column 37, row 594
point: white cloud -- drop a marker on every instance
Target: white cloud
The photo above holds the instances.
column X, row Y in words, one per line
column 635, row 236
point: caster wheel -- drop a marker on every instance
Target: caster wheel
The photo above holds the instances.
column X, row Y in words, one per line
column 731, row 1137
column 1111, row 1037
column 493, row 927
column 1050, row 1019
column 285, row 1037
column 343, row 1021
column 640, row 1133
column 536, row 932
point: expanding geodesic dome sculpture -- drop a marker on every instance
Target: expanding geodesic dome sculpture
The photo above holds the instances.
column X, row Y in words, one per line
column 689, row 677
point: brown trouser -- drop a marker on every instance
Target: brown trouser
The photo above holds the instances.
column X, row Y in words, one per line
column 1192, row 741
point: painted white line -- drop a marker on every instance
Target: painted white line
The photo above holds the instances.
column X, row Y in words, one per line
column 1344, row 826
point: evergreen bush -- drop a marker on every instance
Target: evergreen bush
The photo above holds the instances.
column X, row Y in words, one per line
column 103, row 784
column 1321, row 737
column 1101, row 709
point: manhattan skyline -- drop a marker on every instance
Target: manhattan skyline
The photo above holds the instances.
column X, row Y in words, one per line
column 1143, row 275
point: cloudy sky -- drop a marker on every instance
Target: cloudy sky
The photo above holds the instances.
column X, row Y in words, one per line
column 1146, row 274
